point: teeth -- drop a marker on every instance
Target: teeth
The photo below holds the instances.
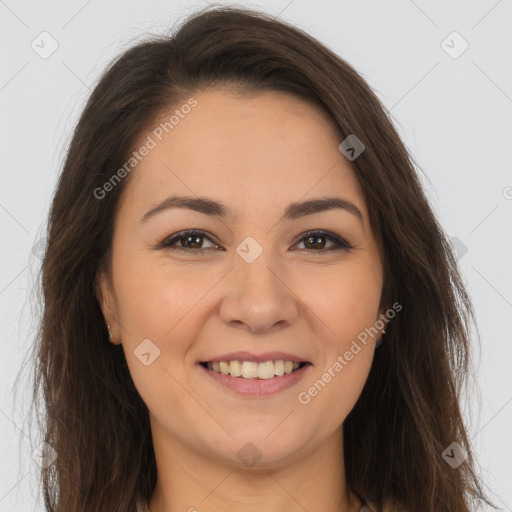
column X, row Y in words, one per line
column 279, row 367
column 224, row 367
column 266, row 370
column 249, row 370
column 253, row 370
column 235, row 368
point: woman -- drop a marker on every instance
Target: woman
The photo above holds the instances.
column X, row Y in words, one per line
column 248, row 301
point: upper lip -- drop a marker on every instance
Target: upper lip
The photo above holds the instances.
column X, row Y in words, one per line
column 259, row 358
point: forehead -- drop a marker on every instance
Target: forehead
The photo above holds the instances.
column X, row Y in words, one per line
column 269, row 146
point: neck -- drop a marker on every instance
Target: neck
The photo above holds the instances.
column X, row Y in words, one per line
column 191, row 481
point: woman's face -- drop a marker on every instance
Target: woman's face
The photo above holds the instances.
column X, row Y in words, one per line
column 249, row 284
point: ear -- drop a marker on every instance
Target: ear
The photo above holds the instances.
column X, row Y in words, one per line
column 382, row 320
column 105, row 296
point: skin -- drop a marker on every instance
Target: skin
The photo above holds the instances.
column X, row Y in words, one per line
column 256, row 154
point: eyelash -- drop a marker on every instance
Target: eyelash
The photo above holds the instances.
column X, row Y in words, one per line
column 167, row 243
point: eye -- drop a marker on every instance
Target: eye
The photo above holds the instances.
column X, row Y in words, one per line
column 189, row 240
column 192, row 241
column 313, row 240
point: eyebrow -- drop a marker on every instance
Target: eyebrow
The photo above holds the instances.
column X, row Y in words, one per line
column 292, row 212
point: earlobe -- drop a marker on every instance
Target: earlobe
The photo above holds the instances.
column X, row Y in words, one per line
column 105, row 298
column 381, row 323
column 100, row 288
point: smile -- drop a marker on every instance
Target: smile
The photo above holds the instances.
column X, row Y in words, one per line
column 252, row 379
column 254, row 370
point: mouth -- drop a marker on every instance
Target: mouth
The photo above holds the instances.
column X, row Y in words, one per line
column 254, row 370
column 254, row 379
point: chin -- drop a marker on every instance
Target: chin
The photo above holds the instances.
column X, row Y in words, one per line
column 258, row 449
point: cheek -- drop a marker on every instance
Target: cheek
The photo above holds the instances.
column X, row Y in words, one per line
column 346, row 301
column 334, row 389
column 337, row 382
column 349, row 306
column 156, row 303
column 154, row 299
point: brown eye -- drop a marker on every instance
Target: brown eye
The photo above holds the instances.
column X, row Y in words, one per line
column 316, row 242
column 189, row 241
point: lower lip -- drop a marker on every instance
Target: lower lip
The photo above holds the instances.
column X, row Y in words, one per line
column 258, row 387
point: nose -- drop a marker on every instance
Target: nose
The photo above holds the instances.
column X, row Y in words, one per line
column 259, row 296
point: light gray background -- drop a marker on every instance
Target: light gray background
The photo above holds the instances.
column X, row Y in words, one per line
column 454, row 114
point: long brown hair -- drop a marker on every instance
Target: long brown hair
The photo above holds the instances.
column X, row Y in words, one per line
column 408, row 413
